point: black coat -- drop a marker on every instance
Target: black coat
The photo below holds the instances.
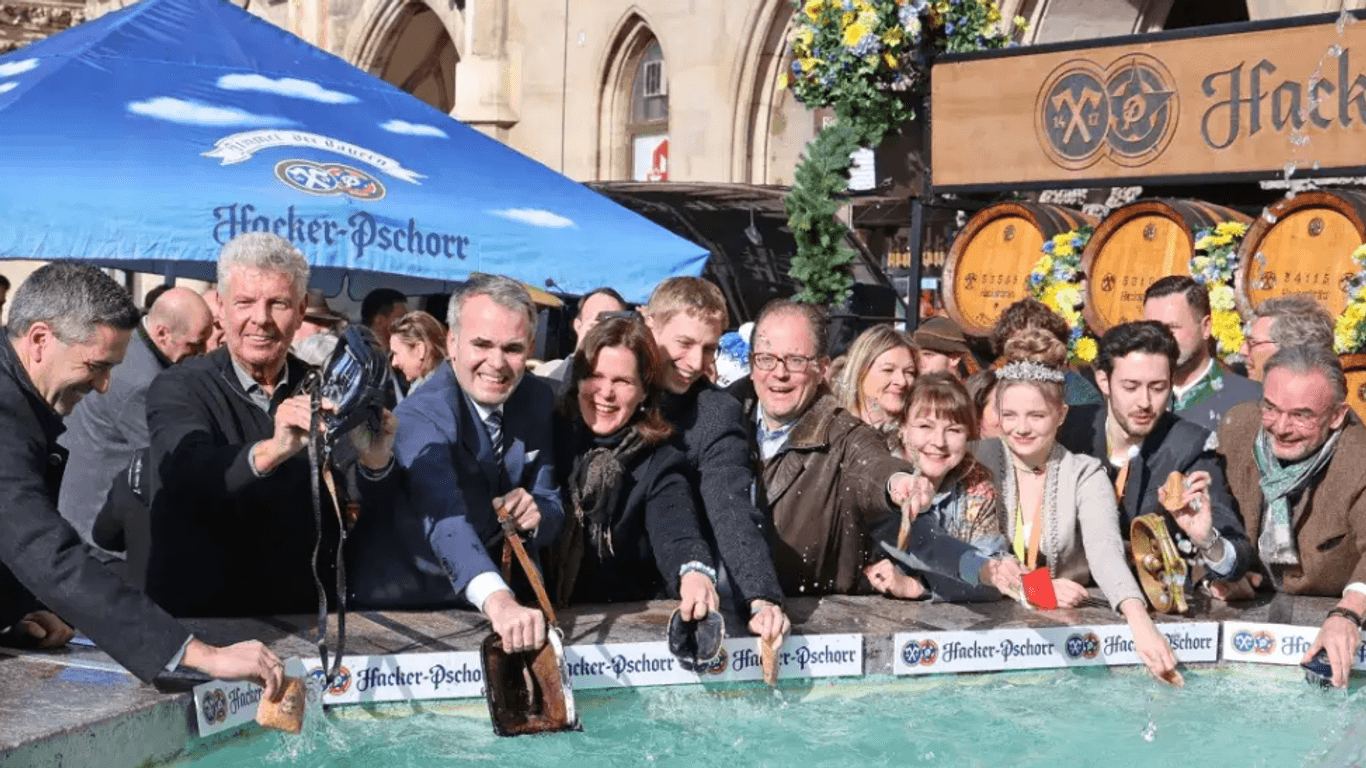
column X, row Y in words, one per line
column 709, row 428
column 654, row 532
column 225, row 542
column 43, row 561
column 1174, row 445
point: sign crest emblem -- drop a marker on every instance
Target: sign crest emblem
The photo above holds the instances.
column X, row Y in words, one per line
column 1126, row 112
column 328, row 179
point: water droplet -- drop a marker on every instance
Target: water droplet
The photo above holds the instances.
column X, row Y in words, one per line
column 1268, row 216
column 929, row 755
column 1289, row 169
column 1335, row 50
column 1150, row 732
column 1298, row 138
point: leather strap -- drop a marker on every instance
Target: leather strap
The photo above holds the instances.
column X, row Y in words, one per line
column 514, row 542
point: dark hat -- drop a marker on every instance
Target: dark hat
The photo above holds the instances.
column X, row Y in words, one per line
column 940, row 334
column 317, row 310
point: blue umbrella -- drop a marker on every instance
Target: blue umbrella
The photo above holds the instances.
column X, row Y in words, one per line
column 147, row 138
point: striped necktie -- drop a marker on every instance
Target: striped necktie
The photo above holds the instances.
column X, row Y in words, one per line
column 494, row 424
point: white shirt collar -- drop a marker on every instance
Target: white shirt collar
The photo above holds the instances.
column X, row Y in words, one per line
column 1179, row 392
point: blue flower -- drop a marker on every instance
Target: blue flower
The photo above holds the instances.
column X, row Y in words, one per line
column 1048, row 247
column 948, row 28
column 918, row 6
column 796, row 67
column 1077, row 242
column 867, row 45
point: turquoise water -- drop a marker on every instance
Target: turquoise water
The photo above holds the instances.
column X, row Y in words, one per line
column 1234, row 716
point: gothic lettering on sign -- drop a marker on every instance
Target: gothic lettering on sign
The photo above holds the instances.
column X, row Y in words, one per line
column 1245, row 102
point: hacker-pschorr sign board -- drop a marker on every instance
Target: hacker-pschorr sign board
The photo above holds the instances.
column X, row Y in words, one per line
column 1255, row 102
column 994, row 650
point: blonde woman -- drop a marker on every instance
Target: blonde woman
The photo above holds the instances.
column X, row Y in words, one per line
column 1059, row 507
column 417, row 344
column 881, row 364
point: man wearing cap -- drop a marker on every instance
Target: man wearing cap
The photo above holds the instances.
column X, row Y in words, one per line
column 943, row 347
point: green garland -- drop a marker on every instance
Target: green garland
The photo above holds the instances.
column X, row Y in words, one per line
column 866, row 59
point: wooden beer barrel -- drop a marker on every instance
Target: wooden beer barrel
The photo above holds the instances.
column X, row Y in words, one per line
column 1135, row 247
column 1303, row 244
column 991, row 258
column 1355, row 368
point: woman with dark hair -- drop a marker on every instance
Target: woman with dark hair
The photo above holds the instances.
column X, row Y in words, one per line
column 631, row 529
column 982, row 389
column 417, row 345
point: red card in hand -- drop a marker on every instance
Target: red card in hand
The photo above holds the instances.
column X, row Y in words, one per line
column 1038, row 587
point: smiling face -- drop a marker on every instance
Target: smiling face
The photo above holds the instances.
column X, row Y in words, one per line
column 936, row 444
column 1029, row 422
column 260, row 311
column 489, row 349
column 881, row 395
column 1299, row 412
column 783, row 393
column 688, row 343
column 64, row 373
column 1137, row 390
column 612, row 391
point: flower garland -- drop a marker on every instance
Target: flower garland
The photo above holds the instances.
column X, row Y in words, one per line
column 1349, row 333
column 1056, row 281
column 863, row 58
column 1213, row 265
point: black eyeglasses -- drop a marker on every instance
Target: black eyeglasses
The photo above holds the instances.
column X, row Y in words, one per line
column 793, row 363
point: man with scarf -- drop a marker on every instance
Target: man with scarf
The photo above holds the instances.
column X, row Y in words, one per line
column 1297, row 465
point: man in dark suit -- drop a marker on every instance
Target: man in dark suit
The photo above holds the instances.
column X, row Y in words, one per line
column 686, row 316
column 69, row 327
column 1141, row 443
column 475, row 438
column 232, row 524
column 108, row 428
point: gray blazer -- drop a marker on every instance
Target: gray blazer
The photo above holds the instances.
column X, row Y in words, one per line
column 105, row 430
column 1081, row 536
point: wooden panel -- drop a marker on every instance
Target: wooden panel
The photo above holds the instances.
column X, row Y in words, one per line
column 1308, row 250
column 1355, row 368
column 991, row 270
column 1137, row 253
column 1158, row 106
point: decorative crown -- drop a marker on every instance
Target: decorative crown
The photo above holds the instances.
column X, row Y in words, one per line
column 1028, row 370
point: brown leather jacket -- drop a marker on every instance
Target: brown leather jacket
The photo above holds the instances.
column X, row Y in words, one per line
column 826, row 494
column 1329, row 518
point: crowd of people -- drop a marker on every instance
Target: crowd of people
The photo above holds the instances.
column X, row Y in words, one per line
column 899, row 468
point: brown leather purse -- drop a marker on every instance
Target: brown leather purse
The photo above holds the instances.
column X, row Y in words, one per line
column 528, row 691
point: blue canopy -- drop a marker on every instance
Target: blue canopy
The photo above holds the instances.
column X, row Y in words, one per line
column 147, row 138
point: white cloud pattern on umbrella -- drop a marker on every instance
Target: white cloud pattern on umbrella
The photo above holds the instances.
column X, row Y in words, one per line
column 189, row 112
column 286, row 86
column 535, row 217
column 7, row 87
column 413, row 129
column 17, row 67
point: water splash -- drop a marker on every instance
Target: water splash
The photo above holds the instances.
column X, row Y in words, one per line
column 1150, row 732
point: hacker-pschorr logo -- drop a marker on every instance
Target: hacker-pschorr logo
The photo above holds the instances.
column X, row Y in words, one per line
column 213, row 705
column 1126, row 111
column 329, row 179
column 1083, row 646
column 922, row 652
column 341, row 684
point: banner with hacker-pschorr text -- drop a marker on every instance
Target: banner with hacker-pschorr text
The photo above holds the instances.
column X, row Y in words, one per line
column 926, row 653
column 1273, row 643
column 459, row 674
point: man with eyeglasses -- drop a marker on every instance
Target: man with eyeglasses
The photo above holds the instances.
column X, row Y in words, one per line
column 827, row 481
column 1285, row 321
column 1297, row 465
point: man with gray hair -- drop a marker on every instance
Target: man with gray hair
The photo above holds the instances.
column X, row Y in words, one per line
column 1285, row 321
column 1297, row 466
column 69, row 326
column 108, row 428
column 232, row 526
column 475, row 439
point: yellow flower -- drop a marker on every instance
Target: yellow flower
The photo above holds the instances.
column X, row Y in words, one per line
column 1086, row 349
column 1227, row 327
column 854, row 33
column 1069, row 298
column 1221, row 298
column 1064, row 249
column 809, row 63
column 1050, row 296
column 940, row 6
column 890, row 59
column 1044, row 265
column 1220, row 240
column 1021, row 23
column 1359, row 255
column 864, row 7
column 782, row 82
column 1204, row 244
column 1231, row 229
column 814, row 8
column 893, row 37
column 802, row 39
column 993, row 14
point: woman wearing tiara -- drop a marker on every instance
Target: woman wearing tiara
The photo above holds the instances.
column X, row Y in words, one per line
column 1059, row 507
